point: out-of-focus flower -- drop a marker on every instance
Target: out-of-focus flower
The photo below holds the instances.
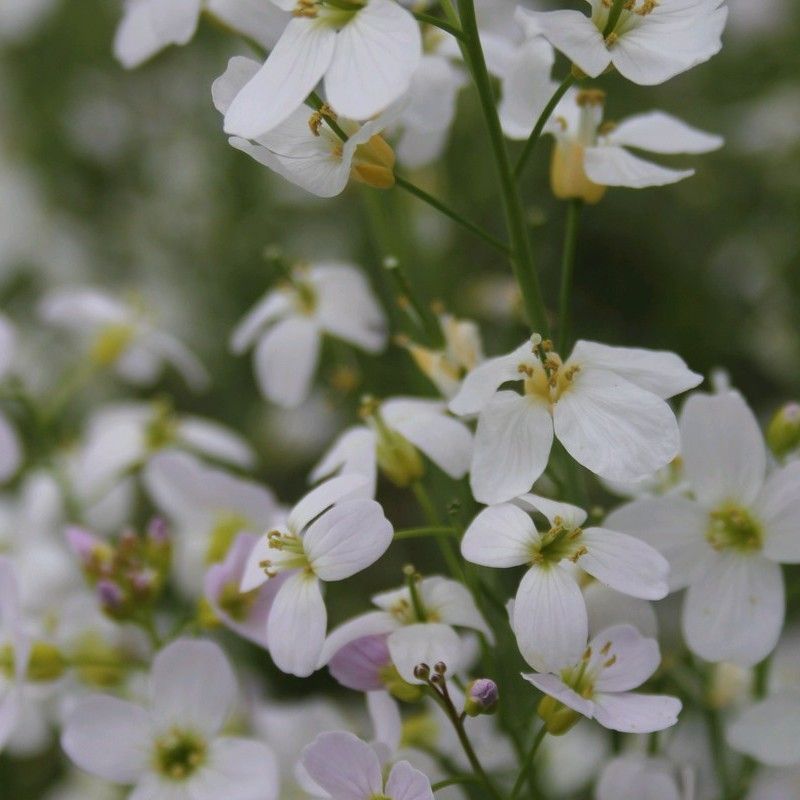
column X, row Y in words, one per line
column 726, row 545
column 633, row 777
column 331, row 534
column 607, row 406
column 367, row 54
column 549, row 618
column 19, row 18
column 10, row 446
column 173, row 745
column 598, row 686
column 122, row 336
column 288, row 324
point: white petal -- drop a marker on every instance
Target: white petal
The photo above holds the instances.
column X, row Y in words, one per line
column 174, row 352
column 636, row 777
column 387, row 724
column 723, row 450
column 347, row 539
column 635, row 658
column 735, row 611
column 657, row 371
column 769, row 730
column 376, row 54
column 237, row 769
column 297, row 624
column 614, row 428
column 273, row 305
column 615, row 166
column 353, row 452
column 407, row 783
column 210, row 438
column 322, row 497
column 453, row 604
column 175, row 21
column 83, row 309
column 675, row 526
column 555, row 512
column 424, row 643
column 108, row 737
column 370, row 624
column 512, row 447
column 636, row 713
column 259, row 21
column 550, row 620
column 10, row 450
column 344, row 766
column 500, row 536
column 607, row 607
column 658, row 132
column 285, row 361
column 192, row 685
column 625, row 563
column 555, row 687
column 281, row 86
column 155, row 787
column 135, row 40
column 778, row 509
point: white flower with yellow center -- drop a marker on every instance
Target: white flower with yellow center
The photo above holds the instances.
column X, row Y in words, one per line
column 727, row 541
column 287, row 325
column 648, row 43
column 10, row 447
column 549, row 614
column 172, row 748
column 605, row 404
column 331, row 534
column 367, row 50
column 305, row 149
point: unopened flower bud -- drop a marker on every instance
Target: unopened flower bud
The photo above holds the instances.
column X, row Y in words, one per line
column 158, row 531
column 373, row 164
column 110, row 595
column 557, row 717
column 783, row 433
column 482, row 697
column 422, row 672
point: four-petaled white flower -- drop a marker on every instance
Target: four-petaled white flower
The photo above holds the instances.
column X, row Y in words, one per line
column 599, row 685
column 727, row 542
column 607, row 406
column 172, row 748
column 347, row 768
column 287, row 326
column 331, row 534
column 652, row 40
column 10, row 447
column 549, row 615
column 366, row 49
column 122, row 336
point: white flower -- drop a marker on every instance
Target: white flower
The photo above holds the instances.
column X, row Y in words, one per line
column 148, row 26
column 19, row 18
column 346, row 768
column 727, row 543
column 634, row 777
column 305, row 150
column 605, row 404
column 652, row 41
column 209, row 508
column 330, row 535
column 10, row 447
column 288, row 324
column 395, row 430
column 121, row 335
column 775, row 784
column 769, row 730
column 598, row 685
column 590, row 154
column 367, row 56
column 172, row 747
column 549, row 616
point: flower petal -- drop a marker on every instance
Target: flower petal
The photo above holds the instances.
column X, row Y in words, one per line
column 372, row 623
column 237, row 769
column 555, row 512
column 778, row 509
column 630, row 712
column 500, row 536
column 453, row 604
column 273, row 305
column 769, row 730
column 614, row 166
column 353, row 452
column 553, row 685
column 634, row 658
column 658, row 132
column 607, row 607
column 424, row 643
column 322, row 497
column 344, row 766
column 407, row 783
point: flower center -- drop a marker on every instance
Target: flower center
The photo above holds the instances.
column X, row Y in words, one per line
column 633, row 11
column 732, row 527
column 558, row 543
column 111, row 343
column 333, row 13
column 222, row 536
column 550, row 378
column 290, row 554
column 179, row 754
column 234, row 603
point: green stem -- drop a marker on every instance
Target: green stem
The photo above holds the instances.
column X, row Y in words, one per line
column 440, row 23
column 435, row 521
column 527, row 765
column 613, row 17
column 418, row 533
column 718, row 750
column 421, row 315
column 567, row 269
column 416, row 600
column 456, row 780
column 522, row 259
column 536, row 133
column 421, row 194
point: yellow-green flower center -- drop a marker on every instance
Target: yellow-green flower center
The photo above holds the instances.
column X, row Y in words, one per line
column 179, row 754
column 732, row 527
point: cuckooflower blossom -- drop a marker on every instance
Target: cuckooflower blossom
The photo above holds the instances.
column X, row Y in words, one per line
column 331, row 534
column 650, row 42
column 367, row 51
column 599, row 685
column 549, row 614
column 396, row 430
column 172, row 747
column 639, row 777
column 288, row 323
column 10, row 447
column 605, row 404
column 121, row 335
column 727, row 541
column 347, row 768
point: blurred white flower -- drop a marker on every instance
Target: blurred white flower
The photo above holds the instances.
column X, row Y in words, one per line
column 10, row 445
column 288, row 323
column 19, row 18
column 367, row 54
column 633, row 777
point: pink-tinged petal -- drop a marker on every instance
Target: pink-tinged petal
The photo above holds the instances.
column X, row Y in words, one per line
column 636, row 713
column 108, row 737
column 358, row 664
column 623, row 658
column 735, row 611
column 769, row 730
column 373, row 623
column 500, row 536
column 344, row 766
column 553, row 685
column 387, row 723
column 237, row 769
column 290, row 73
column 296, row 626
column 322, row 497
column 407, row 783
column 778, row 509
